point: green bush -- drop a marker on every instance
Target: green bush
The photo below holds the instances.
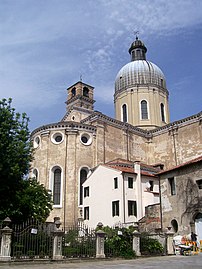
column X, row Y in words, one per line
column 119, row 245
column 150, row 246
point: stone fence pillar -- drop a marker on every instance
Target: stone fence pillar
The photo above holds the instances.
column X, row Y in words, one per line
column 5, row 252
column 169, row 247
column 57, row 241
column 136, row 243
column 100, row 241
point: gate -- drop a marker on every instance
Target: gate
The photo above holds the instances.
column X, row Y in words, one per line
column 32, row 240
column 79, row 242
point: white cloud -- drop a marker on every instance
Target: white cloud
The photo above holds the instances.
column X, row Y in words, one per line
column 48, row 44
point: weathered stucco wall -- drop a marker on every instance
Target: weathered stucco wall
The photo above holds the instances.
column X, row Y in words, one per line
column 187, row 202
column 176, row 145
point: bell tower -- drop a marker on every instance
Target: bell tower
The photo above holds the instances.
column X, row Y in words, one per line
column 80, row 102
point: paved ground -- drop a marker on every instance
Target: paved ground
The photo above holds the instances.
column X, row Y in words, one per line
column 166, row 262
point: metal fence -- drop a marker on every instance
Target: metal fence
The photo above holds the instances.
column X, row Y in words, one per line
column 1, row 226
column 79, row 242
column 32, row 240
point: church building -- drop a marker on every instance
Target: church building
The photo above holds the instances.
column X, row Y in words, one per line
column 66, row 151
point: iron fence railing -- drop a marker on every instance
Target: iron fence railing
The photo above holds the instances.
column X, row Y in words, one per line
column 79, row 242
column 32, row 240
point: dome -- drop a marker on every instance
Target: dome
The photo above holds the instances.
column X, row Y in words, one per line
column 139, row 72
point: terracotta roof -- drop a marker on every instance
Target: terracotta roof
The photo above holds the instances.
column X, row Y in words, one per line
column 123, row 169
column 148, row 174
column 198, row 159
column 128, row 167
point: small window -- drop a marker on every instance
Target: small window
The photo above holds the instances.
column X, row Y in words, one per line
column 162, row 113
column 86, row 213
column 138, row 54
column 35, row 174
column 83, row 177
column 73, row 92
column 57, row 138
column 115, row 208
column 132, row 208
column 174, row 225
column 85, row 92
column 124, row 111
column 144, row 110
column 86, row 139
column 36, row 142
column 86, row 192
column 151, row 182
column 171, row 181
column 116, row 183
column 199, row 183
column 130, row 183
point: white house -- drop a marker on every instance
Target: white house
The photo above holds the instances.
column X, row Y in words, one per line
column 117, row 193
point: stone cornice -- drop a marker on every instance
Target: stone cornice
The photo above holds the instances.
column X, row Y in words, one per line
column 136, row 87
column 98, row 116
column 86, row 124
column 173, row 126
column 80, row 97
column 64, row 125
column 145, row 133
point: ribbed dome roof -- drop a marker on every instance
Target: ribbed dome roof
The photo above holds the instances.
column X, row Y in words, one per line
column 139, row 72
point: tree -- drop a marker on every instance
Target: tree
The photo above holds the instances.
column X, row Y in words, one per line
column 18, row 195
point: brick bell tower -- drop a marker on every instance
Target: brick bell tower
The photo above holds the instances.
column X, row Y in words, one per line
column 80, row 102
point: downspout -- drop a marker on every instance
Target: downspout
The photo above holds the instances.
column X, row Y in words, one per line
column 174, row 130
column 124, row 195
column 161, row 217
column 137, row 170
column 175, row 153
column 65, row 185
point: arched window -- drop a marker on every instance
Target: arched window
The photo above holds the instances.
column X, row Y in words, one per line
column 35, row 174
column 85, row 92
column 73, row 92
column 144, row 110
column 56, row 187
column 124, row 113
column 162, row 112
column 83, row 176
column 174, row 225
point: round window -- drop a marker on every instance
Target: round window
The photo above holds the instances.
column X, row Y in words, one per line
column 86, row 139
column 57, row 138
column 36, row 141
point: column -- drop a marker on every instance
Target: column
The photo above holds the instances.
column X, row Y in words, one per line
column 136, row 243
column 57, row 241
column 5, row 254
column 100, row 240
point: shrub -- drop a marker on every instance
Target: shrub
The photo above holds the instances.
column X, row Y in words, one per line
column 150, row 246
column 119, row 245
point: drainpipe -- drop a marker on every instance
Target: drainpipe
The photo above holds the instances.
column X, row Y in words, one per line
column 124, row 197
column 160, row 200
column 139, row 189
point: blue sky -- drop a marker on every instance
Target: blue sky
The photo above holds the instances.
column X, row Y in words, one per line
column 47, row 44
